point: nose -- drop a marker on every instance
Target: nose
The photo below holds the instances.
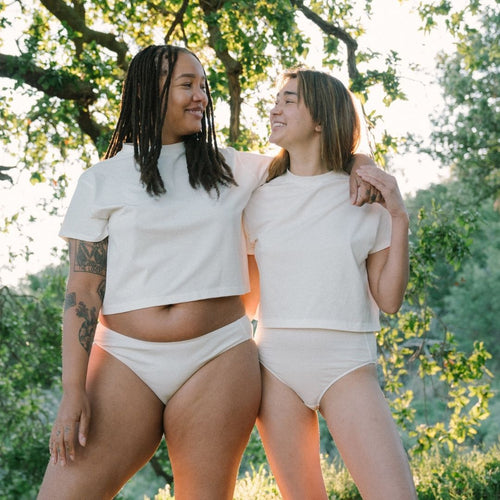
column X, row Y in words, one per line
column 275, row 110
column 200, row 95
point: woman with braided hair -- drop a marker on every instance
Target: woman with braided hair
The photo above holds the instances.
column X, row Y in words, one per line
column 155, row 338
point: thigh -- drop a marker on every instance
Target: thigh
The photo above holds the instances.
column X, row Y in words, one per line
column 208, row 423
column 361, row 423
column 125, row 429
column 290, row 434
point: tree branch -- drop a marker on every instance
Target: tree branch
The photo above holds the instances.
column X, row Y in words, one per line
column 75, row 19
column 97, row 133
column 232, row 66
column 335, row 31
column 53, row 83
column 178, row 18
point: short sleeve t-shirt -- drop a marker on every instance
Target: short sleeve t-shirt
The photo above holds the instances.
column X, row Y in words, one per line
column 311, row 246
column 184, row 245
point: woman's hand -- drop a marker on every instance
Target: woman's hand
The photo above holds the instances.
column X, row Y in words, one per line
column 386, row 184
column 71, row 426
column 361, row 191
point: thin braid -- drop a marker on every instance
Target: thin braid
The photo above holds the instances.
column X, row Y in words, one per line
column 141, row 119
column 206, row 165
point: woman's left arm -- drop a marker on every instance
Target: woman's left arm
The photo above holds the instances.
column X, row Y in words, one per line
column 388, row 270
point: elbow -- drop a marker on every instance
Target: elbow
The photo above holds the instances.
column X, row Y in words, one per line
column 391, row 309
column 391, row 306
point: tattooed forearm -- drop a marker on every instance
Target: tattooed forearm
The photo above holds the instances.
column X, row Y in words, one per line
column 70, row 300
column 101, row 289
column 91, row 257
column 87, row 329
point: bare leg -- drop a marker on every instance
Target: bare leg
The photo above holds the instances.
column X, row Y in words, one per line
column 125, row 429
column 208, row 423
column 366, row 436
column 290, row 433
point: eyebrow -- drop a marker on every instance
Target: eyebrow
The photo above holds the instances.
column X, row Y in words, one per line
column 188, row 75
column 288, row 92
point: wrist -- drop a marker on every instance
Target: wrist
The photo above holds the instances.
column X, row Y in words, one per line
column 71, row 384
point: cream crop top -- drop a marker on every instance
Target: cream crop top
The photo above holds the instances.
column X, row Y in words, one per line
column 311, row 245
column 181, row 246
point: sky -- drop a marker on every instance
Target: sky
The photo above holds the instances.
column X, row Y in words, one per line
column 392, row 27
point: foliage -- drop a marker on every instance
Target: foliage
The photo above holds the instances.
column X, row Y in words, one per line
column 30, row 363
column 254, row 453
column 451, row 274
column 466, row 134
column 476, row 287
column 71, row 58
column 68, row 69
column 467, row 476
column 459, row 379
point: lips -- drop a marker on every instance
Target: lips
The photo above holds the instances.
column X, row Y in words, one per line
column 277, row 125
column 198, row 112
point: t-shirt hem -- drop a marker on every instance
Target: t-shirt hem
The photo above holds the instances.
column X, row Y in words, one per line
column 115, row 308
column 66, row 235
column 327, row 324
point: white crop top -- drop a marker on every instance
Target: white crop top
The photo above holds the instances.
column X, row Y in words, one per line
column 311, row 245
column 181, row 246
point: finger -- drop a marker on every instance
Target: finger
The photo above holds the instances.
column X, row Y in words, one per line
column 361, row 196
column 61, row 450
column 69, row 440
column 53, row 450
column 83, row 428
column 353, row 188
column 366, row 193
column 373, row 181
column 57, row 445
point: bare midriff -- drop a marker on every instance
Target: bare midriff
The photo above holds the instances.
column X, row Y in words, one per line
column 175, row 322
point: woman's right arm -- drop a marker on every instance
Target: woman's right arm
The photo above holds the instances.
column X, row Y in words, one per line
column 84, row 295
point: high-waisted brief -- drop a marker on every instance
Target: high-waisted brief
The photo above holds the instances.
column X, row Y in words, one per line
column 310, row 361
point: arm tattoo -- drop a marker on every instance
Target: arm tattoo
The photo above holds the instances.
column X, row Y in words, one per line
column 69, row 301
column 101, row 289
column 87, row 329
column 91, row 257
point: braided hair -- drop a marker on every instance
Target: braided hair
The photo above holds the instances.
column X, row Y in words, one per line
column 142, row 114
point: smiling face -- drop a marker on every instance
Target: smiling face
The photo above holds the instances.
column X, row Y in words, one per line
column 291, row 121
column 187, row 98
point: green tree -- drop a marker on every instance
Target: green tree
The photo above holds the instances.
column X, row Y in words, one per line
column 466, row 133
column 472, row 304
column 30, row 367
column 450, row 266
column 70, row 61
column 72, row 57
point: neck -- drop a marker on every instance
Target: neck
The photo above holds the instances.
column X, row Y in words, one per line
column 307, row 162
column 305, row 157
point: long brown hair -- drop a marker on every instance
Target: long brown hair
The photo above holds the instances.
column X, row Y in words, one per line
column 332, row 107
column 142, row 114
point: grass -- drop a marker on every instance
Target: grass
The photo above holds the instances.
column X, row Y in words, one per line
column 471, row 475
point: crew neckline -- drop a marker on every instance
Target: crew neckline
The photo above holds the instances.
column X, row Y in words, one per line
column 166, row 149
column 310, row 179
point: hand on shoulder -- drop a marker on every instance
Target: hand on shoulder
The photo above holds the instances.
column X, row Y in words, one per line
column 387, row 184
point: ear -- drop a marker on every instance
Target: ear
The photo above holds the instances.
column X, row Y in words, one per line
column 318, row 128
